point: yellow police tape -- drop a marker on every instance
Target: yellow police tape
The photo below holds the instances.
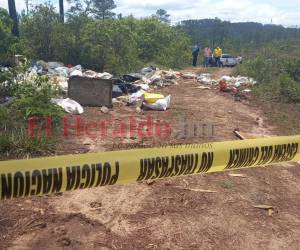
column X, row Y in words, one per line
column 40, row 176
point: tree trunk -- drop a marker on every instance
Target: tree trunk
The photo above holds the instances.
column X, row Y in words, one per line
column 14, row 16
column 61, row 10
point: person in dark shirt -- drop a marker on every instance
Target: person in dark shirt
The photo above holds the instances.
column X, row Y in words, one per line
column 195, row 54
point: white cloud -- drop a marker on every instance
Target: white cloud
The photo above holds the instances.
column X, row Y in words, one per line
column 236, row 11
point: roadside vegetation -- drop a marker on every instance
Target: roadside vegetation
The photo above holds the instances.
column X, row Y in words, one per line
column 32, row 101
column 276, row 67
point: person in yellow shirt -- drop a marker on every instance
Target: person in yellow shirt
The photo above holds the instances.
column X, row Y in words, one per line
column 217, row 55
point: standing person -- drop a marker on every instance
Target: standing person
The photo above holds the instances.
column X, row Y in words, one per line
column 207, row 56
column 195, row 54
column 217, row 55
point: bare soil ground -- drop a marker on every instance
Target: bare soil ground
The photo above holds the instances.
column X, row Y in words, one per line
column 172, row 213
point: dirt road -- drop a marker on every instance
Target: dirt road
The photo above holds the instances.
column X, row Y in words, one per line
column 168, row 214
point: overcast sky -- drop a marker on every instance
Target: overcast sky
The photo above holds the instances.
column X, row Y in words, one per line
column 285, row 12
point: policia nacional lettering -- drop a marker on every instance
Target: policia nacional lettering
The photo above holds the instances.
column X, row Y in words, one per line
column 162, row 167
column 249, row 157
column 45, row 181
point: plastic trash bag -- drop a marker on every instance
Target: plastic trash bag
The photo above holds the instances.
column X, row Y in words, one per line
column 151, row 98
column 90, row 74
column 52, row 65
column 136, row 97
column 69, row 105
column 160, row 105
column 76, row 72
column 104, row 75
column 59, row 71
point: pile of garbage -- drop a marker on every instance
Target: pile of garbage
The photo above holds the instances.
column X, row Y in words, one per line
column 59, row 73
column 206, row 79
column 133, row 88
column 239, row 81
column 228, row 83
column 146, row 79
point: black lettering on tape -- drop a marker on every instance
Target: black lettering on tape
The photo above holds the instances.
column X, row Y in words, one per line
column 115, row 177
column 284, row 152
column 143, row 170
column 27, row 183
column 57, row 180
column 165, row 165
column 47, row 180
column 99, row 174
column 18, row 185
column 106, row 174
column 93, row 177
column 206, row 162
column 71, row 178
column 86, row 176
column 36, row 182
column 6, row 186
column 240, row 158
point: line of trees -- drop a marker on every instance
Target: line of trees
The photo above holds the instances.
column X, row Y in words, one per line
column 95, row 37
column 236, row 37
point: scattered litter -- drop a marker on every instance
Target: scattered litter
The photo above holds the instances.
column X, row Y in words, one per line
column 189, row 76
column 197, row 190
column 59, row 71
column 69, row 105
column 76, row 72
column 239, row 135
column 259, row 121
column 206, row 79
column 90, row 73
column 238, row 175
column 245, row 136
column 247, row 91
column 202, row 190
column 61, row 81
column 104, row 75
column 51, row 65
column 143, row 86
column 136, row 97
column 150, row 182
column 270, row 209
column 239, row 81
column 104, row 110
column 203, row 87
column 138, row 110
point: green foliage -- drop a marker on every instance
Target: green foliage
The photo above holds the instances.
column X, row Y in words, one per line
column 33, row 99
column 162, row 16
column 45, row 33
column 276, row 67
column 289, row 89
column 6, row 38
column 114, row 45
column 102, row 9
column 236, row 37
column 108, row 45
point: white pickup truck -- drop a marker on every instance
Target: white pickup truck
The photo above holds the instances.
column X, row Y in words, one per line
column 230, row 61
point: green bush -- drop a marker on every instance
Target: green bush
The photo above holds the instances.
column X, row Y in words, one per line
column 33, row 99
column 276, row 68
column 289, row 89
column 114, row 45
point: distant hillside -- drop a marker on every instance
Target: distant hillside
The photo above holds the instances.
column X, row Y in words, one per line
column 235, row 36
